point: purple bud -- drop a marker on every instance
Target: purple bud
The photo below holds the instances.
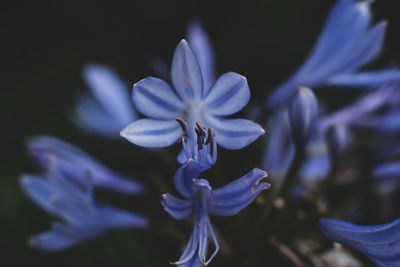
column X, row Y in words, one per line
column 303, row 114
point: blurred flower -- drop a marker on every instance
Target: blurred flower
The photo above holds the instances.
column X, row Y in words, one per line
column 74, row 164
column 280, row 148
column 107, row 109
column 361, row 112
column 73, row 202
column 346, row 43
column 381, row 243
column 303, row 111
column 192, row 102
column 200, row 200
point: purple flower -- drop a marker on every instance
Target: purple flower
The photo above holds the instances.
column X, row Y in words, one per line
column 190, row 100
column 73, row 202
column 107, row 109
column 75, row 164
column 381, row 243
column 346, row 43
column 200, row 200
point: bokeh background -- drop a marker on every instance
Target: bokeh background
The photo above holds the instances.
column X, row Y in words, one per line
column 44, row 46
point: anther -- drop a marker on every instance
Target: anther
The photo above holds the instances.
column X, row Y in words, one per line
column 211, row 136
column 201, row 127
column 182, row 123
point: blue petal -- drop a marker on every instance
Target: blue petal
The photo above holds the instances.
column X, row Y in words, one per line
column 346, row 44
column 366, row 78
column 229, row 95
column 389, row 123
column 201, row 46
column 117, row 218
column 40, row 191
column 363, row 107
column 234, row 133
column 61, row 237
column 184, row 177
column 237, row 195
column 152, row 133
column 316, row 167
column 92, row 118
column 280, row 149
column 156, row 99
column 75, row 164
column 381, row 243
column 110, row 91
column 387, row 171
column 185, row 73
column 178, row 208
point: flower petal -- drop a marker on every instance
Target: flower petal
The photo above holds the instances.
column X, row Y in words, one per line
column 152, row 133
column 183, row 178
column 110, row 92
column 40, row 191
column 92, row 118
column 178, row 208
column 234, row 133
column 61, row 237
column 76, row 165
column 346, row 43
column 237, row 195
column 228, row 95
column 381, row 243
column 156, row 99
column 185, row 73
column 201, row 46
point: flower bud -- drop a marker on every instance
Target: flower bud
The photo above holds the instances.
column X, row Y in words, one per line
column 303, row 115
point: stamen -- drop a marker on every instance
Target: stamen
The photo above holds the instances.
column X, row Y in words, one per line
column 182, row 123
column 211, row 136
column 201, row 127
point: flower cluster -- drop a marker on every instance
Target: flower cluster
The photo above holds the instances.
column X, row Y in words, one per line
column 310, row 150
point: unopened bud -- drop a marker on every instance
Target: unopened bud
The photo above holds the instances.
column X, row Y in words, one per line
column 303, row 115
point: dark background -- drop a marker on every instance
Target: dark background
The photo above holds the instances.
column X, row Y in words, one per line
column 45, row 44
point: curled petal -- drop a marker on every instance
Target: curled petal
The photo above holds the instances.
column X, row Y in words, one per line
column 185, row 176
column 201, row 46
column 152, row 133
column 156, row 99
column 234, row 133
column 185, row 73
column 381, row 243
column 234, row 197
column 177, row 208
column 228, row 95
